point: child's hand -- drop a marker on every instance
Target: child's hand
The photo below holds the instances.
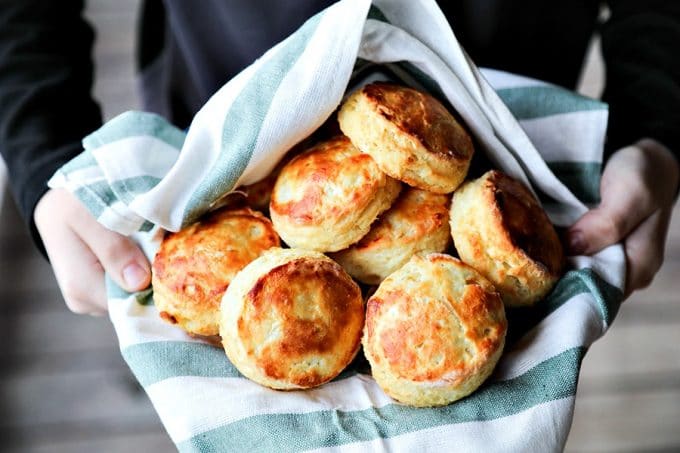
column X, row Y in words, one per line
column 637, row 191
column 81, row 250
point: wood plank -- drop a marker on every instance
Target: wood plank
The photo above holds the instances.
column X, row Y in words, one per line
column 631, row 349
column 107, row 358
column 103, row 434
column 56, row 331
column 29, row 272
column 72, row 399
column 640, row 421
column 85, row 408
column 627, row 383
column 664, row 288
column 157, row 441
column 17, row 300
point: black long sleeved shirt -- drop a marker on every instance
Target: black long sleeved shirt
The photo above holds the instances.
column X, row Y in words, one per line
column 187, row 50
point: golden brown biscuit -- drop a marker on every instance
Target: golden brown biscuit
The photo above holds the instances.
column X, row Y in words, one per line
column 292, row 319
column 417, row 222
column 194, row 266
column 499, row 228
column 434, row 331
column 410, row 134
column 327, row 197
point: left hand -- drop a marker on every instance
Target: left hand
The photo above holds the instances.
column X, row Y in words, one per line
column 637, row 192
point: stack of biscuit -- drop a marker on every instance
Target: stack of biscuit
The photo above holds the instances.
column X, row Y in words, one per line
column 378, row 204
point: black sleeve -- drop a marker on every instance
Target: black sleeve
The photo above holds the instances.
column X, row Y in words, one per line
column 45, row 83
column 641, row 49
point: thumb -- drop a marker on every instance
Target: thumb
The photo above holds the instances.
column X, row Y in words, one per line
column 120, row 257
column 601, row 227
column 625, row 202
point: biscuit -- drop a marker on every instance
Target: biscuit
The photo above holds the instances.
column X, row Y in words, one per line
column 327, row 197
column 292, row 319
column 499, row 228
column 418, row 221
column 435, row 330
column 194, row 266
column 410, row 134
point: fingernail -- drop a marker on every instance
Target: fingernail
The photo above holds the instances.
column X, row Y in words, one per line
column 577, row 243
column 134, row 275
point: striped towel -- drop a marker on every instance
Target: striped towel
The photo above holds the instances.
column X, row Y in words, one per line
column 139, row 174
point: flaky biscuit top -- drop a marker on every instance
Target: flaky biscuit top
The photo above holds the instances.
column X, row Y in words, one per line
column 422, row 117
column 330, row 180
column 418, row 221
column 194, row 267
column 436, row 320
column 292, row 319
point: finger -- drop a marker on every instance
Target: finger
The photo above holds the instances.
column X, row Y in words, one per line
column 78, row 272
column 644, row 249
column 626, row 200
column 624, row 205
column 603, row 226
column 120, row 257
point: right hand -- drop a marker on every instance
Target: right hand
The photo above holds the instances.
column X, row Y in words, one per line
column 80, row 250
column 637, row 193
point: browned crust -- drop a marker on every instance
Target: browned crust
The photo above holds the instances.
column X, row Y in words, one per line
column 421, row 211
column 524, row 223
column 419, row 347
column 193, row 267
column 500, row 228
column 317, row 169
column 320, row 313
column 422, row 117
column 417, row 222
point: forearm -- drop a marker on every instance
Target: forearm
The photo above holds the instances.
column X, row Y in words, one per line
column 45, row 81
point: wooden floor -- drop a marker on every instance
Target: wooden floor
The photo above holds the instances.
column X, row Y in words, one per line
column 64, row 387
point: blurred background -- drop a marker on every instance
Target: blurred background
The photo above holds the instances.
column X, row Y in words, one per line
column 65, row 388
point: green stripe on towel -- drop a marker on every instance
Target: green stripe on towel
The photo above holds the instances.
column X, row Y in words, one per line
column 81, row 161
column 96, row 197
column 133, row 124
column 608, row 298
column 244, row 120
column 582, row 178
column 128, row 189
column 550, row 380
column 607, row 301
column 113, row 291
column 146, row 226
column 155, row 361
column 545, row 100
